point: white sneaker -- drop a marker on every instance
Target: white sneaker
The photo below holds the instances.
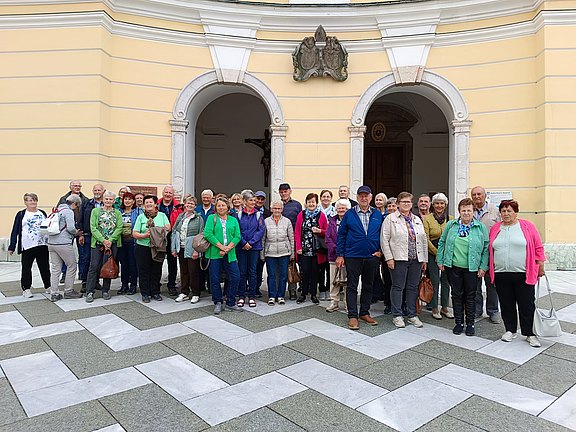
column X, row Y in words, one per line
column 415, row 321
column 27, row 294
column 182, row 297
column 195, row 299
column 398, row 322
column 533, row 341
column 508, row 336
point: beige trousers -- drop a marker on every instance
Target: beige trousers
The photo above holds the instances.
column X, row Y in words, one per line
column 335, row 292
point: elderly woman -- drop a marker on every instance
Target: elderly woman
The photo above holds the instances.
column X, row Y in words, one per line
column 311, row 223
column 149, row 270
column 516, row 262
column 405, row 249
column 236, row 200
column 326, row 204
column 391, row 205
column 61, row 250
column 126, row 256
column 342, row 206
column 278, row 250
column 463, row 254
column 381, row 289
column 329, row 211
column 27, row 240
column 223, row 233
column 380, row 201
column 434, row 225
column 187, row 225
column 106, row 229
column 120, row 197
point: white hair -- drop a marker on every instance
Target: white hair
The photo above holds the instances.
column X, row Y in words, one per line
column 207, row 192
column 440, row 197
column 74, row 199
column 383, row 195
column 110, row 194
column 345, row 202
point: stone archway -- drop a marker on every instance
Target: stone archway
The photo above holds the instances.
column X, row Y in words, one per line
column 447, row 97
column 194, row 98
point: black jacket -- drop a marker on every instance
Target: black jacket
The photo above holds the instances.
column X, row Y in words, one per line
column 83, row 222
column 16, row 235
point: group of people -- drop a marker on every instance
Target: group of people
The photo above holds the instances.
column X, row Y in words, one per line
column 336, row 244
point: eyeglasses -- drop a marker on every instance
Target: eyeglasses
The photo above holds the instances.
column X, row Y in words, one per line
column 405, row 202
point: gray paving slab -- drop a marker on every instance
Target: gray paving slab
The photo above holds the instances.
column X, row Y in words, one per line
column 87, row 416
column 488, row 330
column 149, row 408
column 167, row 319
column 559, row 300
column 10, row 408
column 330, row 353
column 493, row 417
column 259, row 324
column 466, row 358
column 131, row 311
column 201, row 350
column 315, row 412
column 562, row 351
column 400, row 369
column 568, row 327
column 39, row 307
column 446, row 423
column 22, row 348
column 262, row 420
column 253, row 365
column 7, row 308
column 37, row 320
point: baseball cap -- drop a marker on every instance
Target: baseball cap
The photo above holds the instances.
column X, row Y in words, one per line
column 260, row 194
column 284, row 186
column 364, row 189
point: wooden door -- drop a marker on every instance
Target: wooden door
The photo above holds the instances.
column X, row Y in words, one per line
column 385, row 169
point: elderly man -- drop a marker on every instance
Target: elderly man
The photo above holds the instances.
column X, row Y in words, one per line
column 488, row 215
column 358, row 247
column 344, row 193
column 291, row 210
column 171, row 208
column 423, row 206
column 84, row 233
column 206, row 207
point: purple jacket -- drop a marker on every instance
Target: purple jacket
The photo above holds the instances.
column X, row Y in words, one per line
column 332, row 238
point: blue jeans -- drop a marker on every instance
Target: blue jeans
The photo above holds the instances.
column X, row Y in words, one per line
column 232, row 276
column 248, row 264
column 128, row 270
column 277, row 268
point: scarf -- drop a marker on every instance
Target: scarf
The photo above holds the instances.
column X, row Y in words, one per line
column 409, row 225
column 151, row 215
column 440, row 219
column 312, row 214
column 463, row 230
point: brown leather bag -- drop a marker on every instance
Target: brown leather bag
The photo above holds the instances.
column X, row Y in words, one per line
column 425, row 292
column 110, row 268
column 293, row 273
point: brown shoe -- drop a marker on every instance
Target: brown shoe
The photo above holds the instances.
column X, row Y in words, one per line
column 369, row 320
column 353, row 324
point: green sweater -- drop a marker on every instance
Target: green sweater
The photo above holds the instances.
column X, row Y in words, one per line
column 97, row 236
column 477, row 245
column 213, row 233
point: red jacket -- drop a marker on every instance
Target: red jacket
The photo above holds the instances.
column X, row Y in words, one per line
column 322, row 224
column 176, row 210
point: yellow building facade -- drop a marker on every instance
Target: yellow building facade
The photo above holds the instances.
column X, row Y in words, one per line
column 148, row 92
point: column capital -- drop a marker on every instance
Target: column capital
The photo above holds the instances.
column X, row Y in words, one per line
column 461, row 126
column 278, row 130
column 357, row 131
column 179, row 125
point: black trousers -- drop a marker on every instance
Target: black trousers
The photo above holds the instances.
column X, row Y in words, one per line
column 172, row 266
column 356, row 267
column 149, row 271
column 40, row 254
column 463, row 283
column 309, row 269
column 514, row 291
column 324, row 282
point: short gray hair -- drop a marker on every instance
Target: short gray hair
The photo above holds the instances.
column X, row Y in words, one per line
column 345, row 202
column 277, row 203
column 391, row 200
column 440, row 197
column 247, row 194
column 207, row 192
column 74, row 199
column 110, row 194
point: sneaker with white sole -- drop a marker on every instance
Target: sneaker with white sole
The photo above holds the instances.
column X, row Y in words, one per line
column 281, row 301
column 27, row 294
column 182, row 297
column 195, row 299
column 533, row 341
column 398, row 322
column 415, row 321
column 333, row 307
column 508, row 336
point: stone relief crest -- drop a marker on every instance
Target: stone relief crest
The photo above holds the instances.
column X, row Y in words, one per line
column 319, row 56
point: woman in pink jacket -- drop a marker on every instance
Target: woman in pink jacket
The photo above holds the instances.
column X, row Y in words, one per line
column 516, row 262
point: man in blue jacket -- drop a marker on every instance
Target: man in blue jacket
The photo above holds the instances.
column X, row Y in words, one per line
column 358, row 247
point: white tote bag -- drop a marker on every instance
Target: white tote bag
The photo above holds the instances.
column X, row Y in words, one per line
column 546, row 323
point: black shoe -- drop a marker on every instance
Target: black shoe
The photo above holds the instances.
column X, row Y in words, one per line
column 55, row 297
column 387, row 310
column 173, row 292
column 83, row 289
column 157, row 297
column 132, row 290
column 98, row 286
column 458, row 328
column 292, row 295
column 301, row 299
column 470, row 330
column 72, row 294
column 314, row 299
column 123, row 290
column 146, row 299
column 429, row 308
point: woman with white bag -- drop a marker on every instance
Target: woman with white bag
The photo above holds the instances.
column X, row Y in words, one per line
column 516, row 262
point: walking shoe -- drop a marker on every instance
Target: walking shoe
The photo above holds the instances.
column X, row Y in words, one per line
column 83, row 289
column 47, row 290
column 89, row 298
column 56, row 297
column 533, row 341
column 157, row 297
column 292, row 295
column 72, row 294
column 314, row 299
column 62, row 279
column 106, row 295
column 251, row 302
column 415, row 321
column 281, row 301
column 217, row 308
column 387, row 310
column 172, row 292
column 333, row 307
column 182, row 297
column 271, row 302
column 195, row 299
column 508, row 336
column 123, row 290
column 470, row 330
column 447, row 313
column 233, row 308
column 353, row 324
column 133, row 290
column 146, row 299
column 368, row 320
column 495, row 318
column 398, row 322
column 27, row 293
column 301, row 299
column 436, row 315
column 458, row 328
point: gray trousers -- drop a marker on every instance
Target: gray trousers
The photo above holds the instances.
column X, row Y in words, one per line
column 405, row 276
column 491, row 297
column 62, row 254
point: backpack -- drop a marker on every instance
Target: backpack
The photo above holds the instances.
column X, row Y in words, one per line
column 51, row 225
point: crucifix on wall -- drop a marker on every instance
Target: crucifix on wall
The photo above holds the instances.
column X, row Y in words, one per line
column 266, row 147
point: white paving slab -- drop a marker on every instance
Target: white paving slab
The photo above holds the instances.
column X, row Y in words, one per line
column 1, row 373
column 264, row 340
column 243, row 398
column 495, row 389
column 39, row 332
column 388, row 344
column 217, row 328
column 563, row 410
column 13, row 320
column 109, row 325
column 415, row 404
column 68, row 305
column 146, row 337
column 168, row 305
column 518, row 351
column 112, row 428
column 19, row 299
column 568, row 313
column 445, row 335
column 564, row 338
column 333, row 333
column 180, row 377
column 263, row 309
column 341, row 386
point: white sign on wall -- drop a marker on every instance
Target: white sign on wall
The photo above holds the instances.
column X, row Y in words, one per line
column 496, row 197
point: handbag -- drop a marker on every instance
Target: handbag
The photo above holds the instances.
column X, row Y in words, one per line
column 546, row 323
column 199, row 242
column 425, row 292
column 319, row 244
column 293, row 273
column 110, row 268
column 339, row 281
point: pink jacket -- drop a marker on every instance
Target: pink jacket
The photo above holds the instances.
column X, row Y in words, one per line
column 322, row 224
column 534, row 249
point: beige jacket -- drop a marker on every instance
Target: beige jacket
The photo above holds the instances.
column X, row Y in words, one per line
column 278, row 239
column 394, row 238
column 489, row 217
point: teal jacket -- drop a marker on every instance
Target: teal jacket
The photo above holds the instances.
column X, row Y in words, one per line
column 477, row 245
column 214, row 234
column 97, row 236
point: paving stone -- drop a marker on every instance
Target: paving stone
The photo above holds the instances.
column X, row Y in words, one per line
column 568, row 327
column 253, row 365
column 446, row 423
column 466, row 358
column 548, row 374
column 10, row 408
column 131, row 311
column 559, row 300
column 22, row 348
column 37, row 320
column 38, row 307
column 330, row 353
column 488, row 330
column 316, row 412
column 87, row 416
column 7, row 308
column 167, row 319
column 400, row 369
column 260, row 324
column 562, row 351
column 262, row 420
column 149, row 408
column 201, row 350
column 11, row 285
column 492, row 416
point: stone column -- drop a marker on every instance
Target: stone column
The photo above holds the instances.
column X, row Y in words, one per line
column 356, row 158
column 277, row 159
column 179, row 155
column 461, row 134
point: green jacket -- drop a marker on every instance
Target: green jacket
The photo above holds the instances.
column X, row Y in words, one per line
column 214, row 234
column 97, row 236
column 477, row 245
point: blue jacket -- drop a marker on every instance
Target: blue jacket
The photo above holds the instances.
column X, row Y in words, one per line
column 251, row 229
column 291, row 210
column 83, row 223
column 200, row 209
column 353, row 242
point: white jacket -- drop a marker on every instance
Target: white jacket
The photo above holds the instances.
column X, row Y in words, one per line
column 278, row 239
column 394, row 238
